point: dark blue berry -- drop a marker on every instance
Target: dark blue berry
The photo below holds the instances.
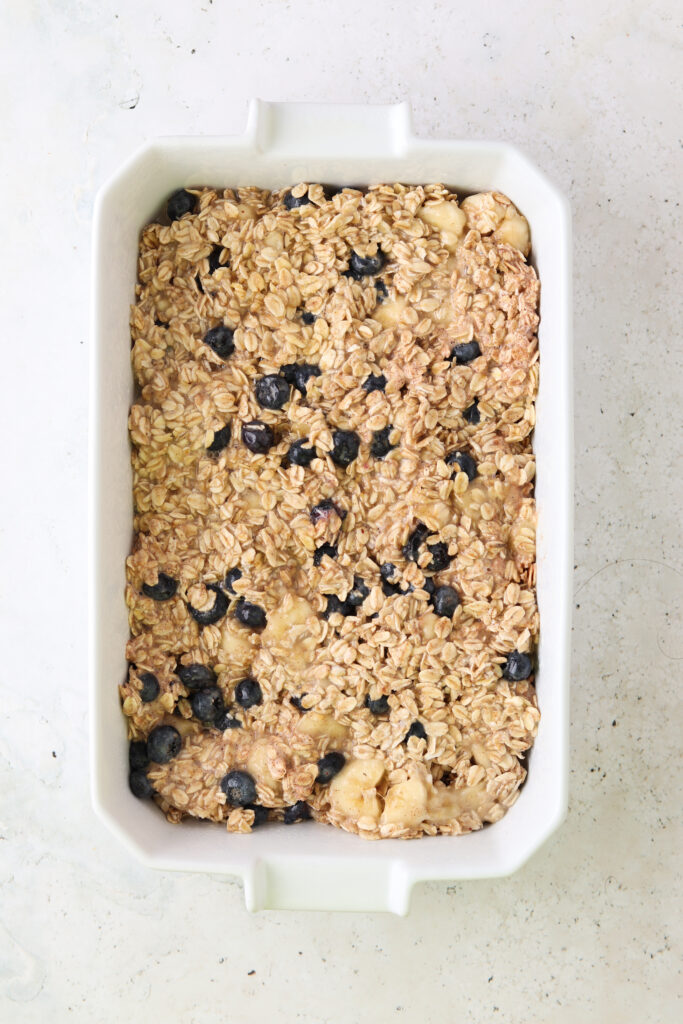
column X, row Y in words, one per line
column 213, row 614
column 140, row 786
column 194, row 677
column 517, row 667
column 324, row 549
column 258, row 437
column 239, row 788
column 150, row 687
column 465, row 353
column 227, row 721
column 296, row 702
column 251, row 615
column 160, row 323
column 215, row 259
column 329, row 765
column 416, row 729
column 163, row 744
column 379, row 706
column 471, row 414
column 260, row 814
column 445, row 600
column 387, row 571
column 137, row 754
column 464, row 462
column 382, row 292
column 207, row 705
column 365, row 266
column 299, row 455
column 221, row 439
column 299, row 374
column 293, row 202
column 380, row 444
column 322, row 510
column 248, row 693
column 429, row 586
column 181, row 202
column 375, row 382
column 357, row 595
column 411, row 548
column 308, row 318
column 335, row 606
column 220, row 339
column 440, row 557
column 232, row 576
column 346, row 445
column 163, row 590
column 300, row 811
column 271, row 391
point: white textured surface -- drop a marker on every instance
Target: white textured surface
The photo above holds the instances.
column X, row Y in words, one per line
column 588, row 930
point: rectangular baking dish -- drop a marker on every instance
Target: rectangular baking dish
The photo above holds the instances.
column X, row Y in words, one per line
column 312, row 866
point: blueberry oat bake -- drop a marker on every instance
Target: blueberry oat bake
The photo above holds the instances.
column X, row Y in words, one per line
column 332, row 584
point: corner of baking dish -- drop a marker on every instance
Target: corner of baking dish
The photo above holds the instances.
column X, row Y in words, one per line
column 311, row 867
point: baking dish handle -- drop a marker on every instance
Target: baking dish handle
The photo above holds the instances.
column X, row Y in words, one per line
column 298, row 883
column 298, row 129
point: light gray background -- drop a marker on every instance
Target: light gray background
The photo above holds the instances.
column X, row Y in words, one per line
column 588, row 930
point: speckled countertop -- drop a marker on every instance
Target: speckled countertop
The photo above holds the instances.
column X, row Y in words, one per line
column 588, row 931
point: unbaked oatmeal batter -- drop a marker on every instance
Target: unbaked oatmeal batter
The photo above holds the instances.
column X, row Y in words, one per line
column 332, row 585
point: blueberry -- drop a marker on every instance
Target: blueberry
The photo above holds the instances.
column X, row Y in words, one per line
column 251, row 615
column 517, row 667
column 357, row 595
column 329, row 765
column 163, row 590
column 465, row 353
column 382, row 292
column 207, row 704
column 258, row 437
column 220, row 339
column 227, row 721
column 380, row 444
column 416, row 729
column 260, row 814
column 411, row 548
column 365, row 266
column 308, row 318
column 181, row 202
column 322, row 511
column 299, row 455
column 248, row 693
column 440, row 557
column 346, row 445
column 324, row 549
column 163, row 744
column 214, row 614
column 194, row 677
column 221, row 439
column 429, row 586
column 293, row 202
column 140, row 786
column 239, row 788
column 137, row 754
column 336, row 606
column 215, row 259
column 387, row 572
column 198, row 282
column 464, row 462
column 472, row 414
column 231, row 578
column 379, row 706
column 296, row 702
column 445, row 600
column 375, row 382
column 299, row 374
column 300, row 811
column 271, row 391
column 150, row 687
column 159, row 323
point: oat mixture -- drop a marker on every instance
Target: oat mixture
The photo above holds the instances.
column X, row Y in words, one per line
column 332, row 585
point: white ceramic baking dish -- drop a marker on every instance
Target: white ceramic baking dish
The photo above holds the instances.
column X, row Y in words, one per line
column 313, row 866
